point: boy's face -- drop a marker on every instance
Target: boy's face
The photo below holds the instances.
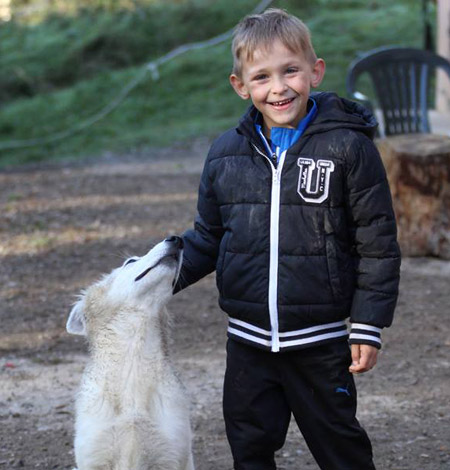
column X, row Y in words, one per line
column 278, row 81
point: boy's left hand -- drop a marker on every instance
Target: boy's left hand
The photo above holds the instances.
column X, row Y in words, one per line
column 364, row 358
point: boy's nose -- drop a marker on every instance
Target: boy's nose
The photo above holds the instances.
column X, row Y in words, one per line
column 278, row 85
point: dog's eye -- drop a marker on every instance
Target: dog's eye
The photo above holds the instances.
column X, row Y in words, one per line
column 131, row 260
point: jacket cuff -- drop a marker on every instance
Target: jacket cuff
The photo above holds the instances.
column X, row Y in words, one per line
column 361, row 333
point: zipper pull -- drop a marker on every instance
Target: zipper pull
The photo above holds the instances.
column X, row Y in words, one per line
column 274, row 159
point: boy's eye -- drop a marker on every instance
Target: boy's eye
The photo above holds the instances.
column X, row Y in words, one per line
column 259, row 77
column 291, row 70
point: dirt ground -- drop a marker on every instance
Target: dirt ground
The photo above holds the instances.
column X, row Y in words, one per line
column 62, row 226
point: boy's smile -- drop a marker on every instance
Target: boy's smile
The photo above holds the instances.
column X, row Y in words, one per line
column 278, row 81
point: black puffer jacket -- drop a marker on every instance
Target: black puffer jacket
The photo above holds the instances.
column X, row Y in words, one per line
column 300, row 246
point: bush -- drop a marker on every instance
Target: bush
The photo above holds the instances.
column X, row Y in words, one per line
column 61, row 50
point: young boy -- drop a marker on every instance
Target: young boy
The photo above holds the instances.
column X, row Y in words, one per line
column 295, row 216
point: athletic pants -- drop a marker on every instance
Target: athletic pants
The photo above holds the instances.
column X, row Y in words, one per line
column 262, row 389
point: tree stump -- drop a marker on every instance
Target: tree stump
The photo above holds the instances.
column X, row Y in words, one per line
column 418, row 170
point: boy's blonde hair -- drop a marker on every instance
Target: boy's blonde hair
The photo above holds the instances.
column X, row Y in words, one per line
column 260, row 31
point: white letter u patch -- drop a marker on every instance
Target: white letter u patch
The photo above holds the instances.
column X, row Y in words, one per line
column 314, row 183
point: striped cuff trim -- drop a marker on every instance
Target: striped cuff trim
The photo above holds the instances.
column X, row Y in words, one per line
column 315, row 334
column 365, row 334
column 362, row 326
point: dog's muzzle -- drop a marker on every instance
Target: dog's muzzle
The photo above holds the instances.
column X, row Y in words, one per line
column 176, row 241
column 174, row 250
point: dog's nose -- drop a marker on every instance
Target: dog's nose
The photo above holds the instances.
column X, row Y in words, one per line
column 177, row 241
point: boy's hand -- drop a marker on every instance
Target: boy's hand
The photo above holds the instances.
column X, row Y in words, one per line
column 364, row 358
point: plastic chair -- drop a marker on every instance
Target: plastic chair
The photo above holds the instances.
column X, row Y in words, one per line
column 401, row 80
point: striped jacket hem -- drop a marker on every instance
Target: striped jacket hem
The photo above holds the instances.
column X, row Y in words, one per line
column 306, row 337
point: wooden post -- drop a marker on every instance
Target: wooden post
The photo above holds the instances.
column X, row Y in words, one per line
column 418, row 170
column 443, row 49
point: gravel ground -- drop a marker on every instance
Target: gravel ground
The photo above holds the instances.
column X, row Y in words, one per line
column 63, row 225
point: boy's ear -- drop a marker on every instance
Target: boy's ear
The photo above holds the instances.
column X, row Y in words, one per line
column 239, row 87
column 76, row 324
column 318, row 73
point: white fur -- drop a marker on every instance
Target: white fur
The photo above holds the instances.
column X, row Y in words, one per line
column 131, row 410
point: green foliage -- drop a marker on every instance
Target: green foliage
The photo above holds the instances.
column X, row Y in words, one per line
column 64, row 49
column 57, row 73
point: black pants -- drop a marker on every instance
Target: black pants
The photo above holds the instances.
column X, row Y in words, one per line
column 261, row 391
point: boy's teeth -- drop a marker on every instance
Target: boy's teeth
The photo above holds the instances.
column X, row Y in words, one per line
column 279, row 103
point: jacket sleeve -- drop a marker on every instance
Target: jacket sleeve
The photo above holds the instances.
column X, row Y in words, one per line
column 372, row 218
column 201, row 244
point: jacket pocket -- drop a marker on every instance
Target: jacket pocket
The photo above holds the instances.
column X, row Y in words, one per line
column 331, row 248
column 334, row 274
column 221, row 260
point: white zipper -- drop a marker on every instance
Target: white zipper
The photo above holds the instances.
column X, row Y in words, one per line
column 274, row 245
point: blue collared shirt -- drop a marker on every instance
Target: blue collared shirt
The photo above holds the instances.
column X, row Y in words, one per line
column 282, row 137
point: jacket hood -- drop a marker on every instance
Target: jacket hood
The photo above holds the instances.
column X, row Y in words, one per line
column 334, row 112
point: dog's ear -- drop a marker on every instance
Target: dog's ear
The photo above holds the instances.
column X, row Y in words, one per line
column 76, row 324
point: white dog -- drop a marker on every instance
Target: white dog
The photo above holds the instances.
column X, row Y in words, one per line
column 131, row 411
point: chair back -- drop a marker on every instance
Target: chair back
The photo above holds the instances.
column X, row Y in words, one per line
column 402, row 80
